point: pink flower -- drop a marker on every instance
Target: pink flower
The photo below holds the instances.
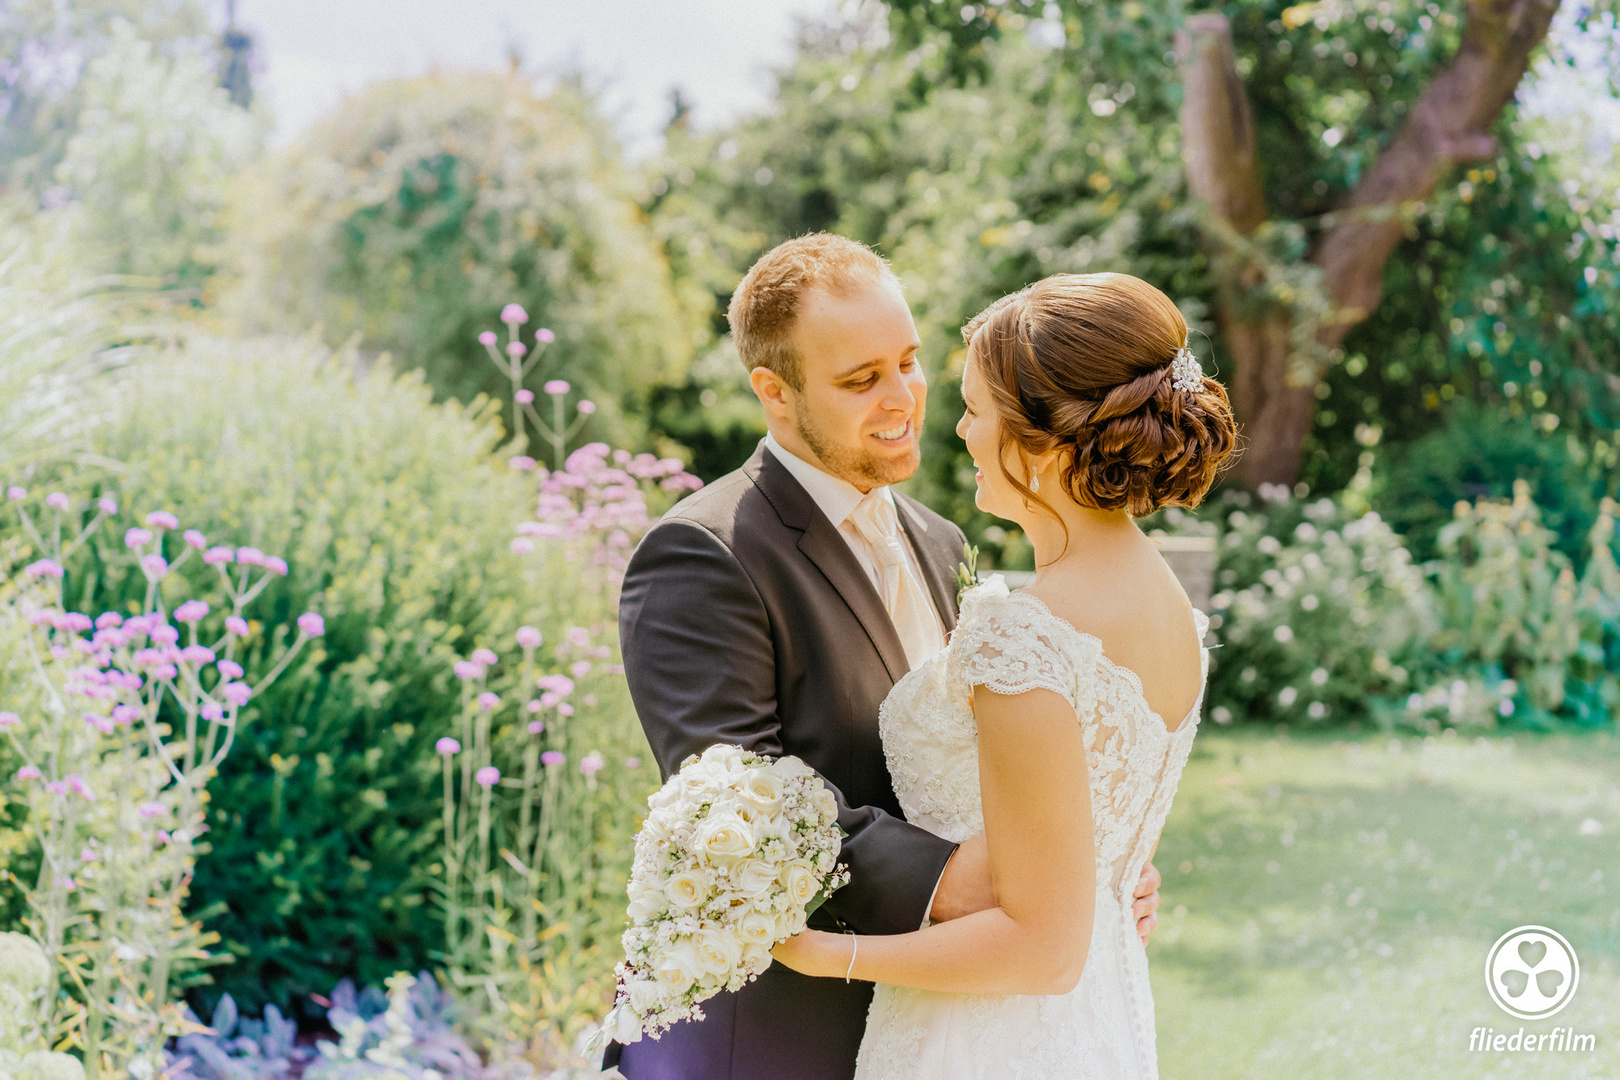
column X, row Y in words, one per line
column 192, row 611
column 524, row 397
column 14, row 493
column 107, row 506
column 521, row 462
column 87, row 854
column 536, row 727
column 484, row 656
column 124, row 714
column 162, row 519
column 217, row 556
column 447, row 745
column 43, row 568
column 580, row 668
column 550, row 700
column 229, row 669
column 565, row 709
column 101, row 723
column 516, row 348
column 237, row 625
column 155, row 565
column 532, row 706
column 556, row 387
column 578, row 636
column 135, row 536
column 9, row 719
column 591, row 763
column 211, row 712
column 65, row 881
column 586, row 406
column 514, row 313
column 108, row 619
column 544, row 335
column 77, row 785
column 632, row 762
column 197, row 654
column 250, row 556
column 521, row 545
column 28, row 772
column 528, row 637
column 165, row 671
column 488, row 700
column 467, row 669
column 163, row 634
column 552, row 758
column 561, row 685
column 195, row 538
column 276, row 565
column 57, row 500
column 487, row 338
column 237, row 693
column 312, row 624
column 149, row 809
column 489, row 776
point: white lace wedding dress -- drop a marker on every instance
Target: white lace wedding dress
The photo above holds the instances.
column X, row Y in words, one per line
column 1104, row 1028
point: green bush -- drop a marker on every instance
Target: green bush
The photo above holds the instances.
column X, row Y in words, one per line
column 396, row 520
column 422, row 205
column 1324, row 617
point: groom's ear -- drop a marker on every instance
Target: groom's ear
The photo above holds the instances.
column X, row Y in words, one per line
column 772, row 391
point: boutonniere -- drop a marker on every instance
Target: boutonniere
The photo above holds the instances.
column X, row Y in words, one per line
column 967, row 571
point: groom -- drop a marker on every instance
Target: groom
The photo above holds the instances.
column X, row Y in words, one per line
column 776, row 608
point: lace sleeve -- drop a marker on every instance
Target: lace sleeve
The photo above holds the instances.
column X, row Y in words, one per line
column 1012, row 648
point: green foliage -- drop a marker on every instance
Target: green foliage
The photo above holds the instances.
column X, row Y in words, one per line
column 423, row 205
column 396, row 520
column 45, row 48
column 1324, row 617
column 147, row 167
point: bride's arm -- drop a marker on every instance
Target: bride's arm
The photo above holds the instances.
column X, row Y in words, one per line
column 1037, row 819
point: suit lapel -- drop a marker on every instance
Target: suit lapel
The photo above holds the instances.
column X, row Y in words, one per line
column 934, row 557
column 822, row 545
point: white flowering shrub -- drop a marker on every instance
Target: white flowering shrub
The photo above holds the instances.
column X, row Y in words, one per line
column 1322, row 616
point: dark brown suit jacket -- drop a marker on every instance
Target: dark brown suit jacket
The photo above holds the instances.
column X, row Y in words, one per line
column 746, row 619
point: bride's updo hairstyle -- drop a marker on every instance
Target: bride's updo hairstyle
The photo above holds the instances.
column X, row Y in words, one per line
column 1082, row 363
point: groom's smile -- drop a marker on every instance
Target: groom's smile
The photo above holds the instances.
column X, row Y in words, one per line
column 861, row 398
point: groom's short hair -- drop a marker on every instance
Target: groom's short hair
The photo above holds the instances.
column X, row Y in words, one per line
column 766, row 303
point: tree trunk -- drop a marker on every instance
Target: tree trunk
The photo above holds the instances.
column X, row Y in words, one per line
column 1450, row 122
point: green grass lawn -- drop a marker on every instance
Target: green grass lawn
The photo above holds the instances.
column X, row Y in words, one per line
column 1329, row 903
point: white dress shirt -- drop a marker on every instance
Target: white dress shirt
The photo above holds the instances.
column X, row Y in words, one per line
column 837, row 499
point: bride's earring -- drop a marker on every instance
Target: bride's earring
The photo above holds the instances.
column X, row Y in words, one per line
column 1034, row 480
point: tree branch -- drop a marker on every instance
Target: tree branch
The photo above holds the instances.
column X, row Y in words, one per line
column 1217, row 130
column 1451, row 122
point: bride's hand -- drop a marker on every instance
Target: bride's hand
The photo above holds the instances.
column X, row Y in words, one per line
column 815, row 952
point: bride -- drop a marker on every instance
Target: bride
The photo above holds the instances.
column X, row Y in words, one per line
column 1058, row 718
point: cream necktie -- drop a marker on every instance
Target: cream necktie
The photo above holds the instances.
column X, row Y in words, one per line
column 903, row 595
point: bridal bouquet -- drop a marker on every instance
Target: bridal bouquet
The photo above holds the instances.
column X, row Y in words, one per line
column 737, row 850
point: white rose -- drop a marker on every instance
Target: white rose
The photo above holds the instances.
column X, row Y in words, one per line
column 725, row 837
column 801, row 884
column 679, row 967
column 623, row 1025
column 763, row 788
column 755, row 878
column 687, row 890
column 664, row 796
column 826, row 805
column 757, row 928
column 717, row 952
column 643, row 995
column 645, row 907
column 790, row 768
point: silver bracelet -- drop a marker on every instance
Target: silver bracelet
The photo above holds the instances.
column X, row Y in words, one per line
column 854, row 947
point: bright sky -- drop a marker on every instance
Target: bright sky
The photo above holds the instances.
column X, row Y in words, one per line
column 718, row 51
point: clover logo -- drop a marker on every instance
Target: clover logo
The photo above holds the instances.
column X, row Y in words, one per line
column 1532, row 972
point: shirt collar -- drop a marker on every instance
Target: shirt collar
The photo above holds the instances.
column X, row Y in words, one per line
column 834, row 497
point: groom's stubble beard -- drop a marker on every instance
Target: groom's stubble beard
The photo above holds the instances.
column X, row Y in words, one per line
column 857, row 467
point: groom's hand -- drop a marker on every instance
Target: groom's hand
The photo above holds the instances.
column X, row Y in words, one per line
column 965, row 886
column 1146, row 905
